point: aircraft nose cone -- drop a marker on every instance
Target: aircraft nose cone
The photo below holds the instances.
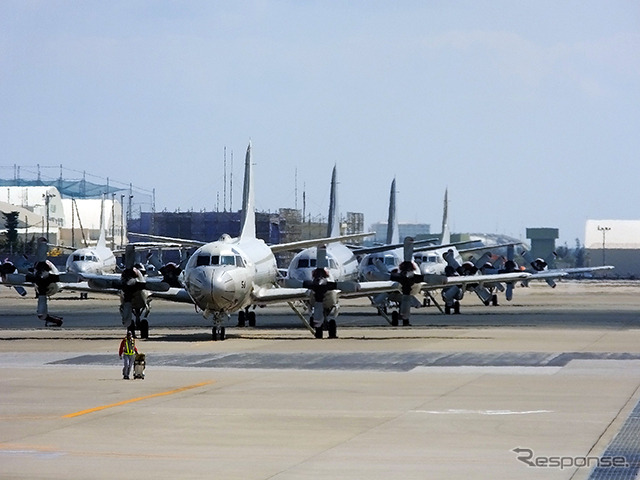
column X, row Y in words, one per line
column 77, row 267
column 212, row 289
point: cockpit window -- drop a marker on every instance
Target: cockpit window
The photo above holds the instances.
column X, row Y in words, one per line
column 389, row 260
column 239, row 261
column 303, row 263
column 227, row 260
column 203, row 260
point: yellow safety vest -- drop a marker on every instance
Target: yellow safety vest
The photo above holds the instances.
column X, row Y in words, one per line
column 129, row 346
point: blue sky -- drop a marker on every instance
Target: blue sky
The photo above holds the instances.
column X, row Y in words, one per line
column 528, row 112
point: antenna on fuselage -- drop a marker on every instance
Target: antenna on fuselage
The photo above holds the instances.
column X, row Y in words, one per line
column 248, row 229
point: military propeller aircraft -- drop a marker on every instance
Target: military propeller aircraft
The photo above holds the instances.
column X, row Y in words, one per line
column 233, row 274
column 418, row 279
column 99, row 259
column 538, row 269
column 44, row 276
column 330, row 271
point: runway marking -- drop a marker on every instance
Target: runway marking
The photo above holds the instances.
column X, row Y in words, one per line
column 138, row 399
column 482, row 412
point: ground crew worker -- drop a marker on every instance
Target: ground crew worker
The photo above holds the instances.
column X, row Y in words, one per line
column 127, row 351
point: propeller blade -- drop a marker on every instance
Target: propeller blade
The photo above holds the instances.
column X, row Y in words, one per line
column 129, row 256
column 408, row 249
column 321, row 258
column 42, row 250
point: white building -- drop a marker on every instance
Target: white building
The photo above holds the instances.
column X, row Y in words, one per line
column 614, row 242
column 68, row 222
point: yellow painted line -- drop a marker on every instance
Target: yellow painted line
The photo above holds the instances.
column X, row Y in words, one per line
column 125, row 402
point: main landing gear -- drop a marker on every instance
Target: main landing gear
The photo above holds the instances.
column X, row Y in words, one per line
column 218, row 333
column 455, row 307
column 330, row 326
column 395, row 320
column 246, row 316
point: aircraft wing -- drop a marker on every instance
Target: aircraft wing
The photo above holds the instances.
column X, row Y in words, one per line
column 166, row 240
column 364, row 289
column 114, row 281
column 174, row 294
column 477, row 279
column 299, row 245
column 419, row 246
column 573, row 271
column 265, row 295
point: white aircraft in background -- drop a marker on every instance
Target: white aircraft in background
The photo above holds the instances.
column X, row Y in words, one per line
column 97, row 260
column 447, row 260
column 399, row 265
column 538, row 268
column 330, row 271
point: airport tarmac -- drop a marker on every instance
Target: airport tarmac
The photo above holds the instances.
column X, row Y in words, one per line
column 547, row 386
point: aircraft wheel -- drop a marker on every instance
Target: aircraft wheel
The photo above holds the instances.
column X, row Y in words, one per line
column 456, row 307
column 214, row 334
column 394, row 318
column 447, row 310
column 223, row 333
column 241, row 318
column 426, row 302
column 494, row 300
column 318, row 332
column 144, row 329
column 252, row 318
column 333, row 329
column 405, row 322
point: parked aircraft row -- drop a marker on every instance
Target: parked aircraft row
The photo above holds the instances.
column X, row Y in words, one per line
column 236, row 274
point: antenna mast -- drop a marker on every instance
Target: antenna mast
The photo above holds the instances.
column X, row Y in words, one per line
column 224, row 180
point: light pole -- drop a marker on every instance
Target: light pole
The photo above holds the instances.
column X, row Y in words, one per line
column 47, row 197
column 604, row 231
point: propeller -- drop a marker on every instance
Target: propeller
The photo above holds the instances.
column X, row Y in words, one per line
column 407, row 275
column 323, row 287
column 7, row 273
column 45, row 277
column 539, row 265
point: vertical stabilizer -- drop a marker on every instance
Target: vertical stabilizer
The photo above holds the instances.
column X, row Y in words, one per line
column 248, row 229
column 333, row 229
column 393, row 233
column 446, row 235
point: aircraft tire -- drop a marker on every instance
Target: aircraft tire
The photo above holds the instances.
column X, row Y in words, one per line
column 332, row 329
column 318, row 332
column 494, row 300
column 241, row 318
column 144, row 329
column 447, row 310
column 252, row 318
column 456, row 308
column 394, row 318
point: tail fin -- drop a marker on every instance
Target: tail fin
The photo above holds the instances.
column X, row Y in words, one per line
column 248, row 229
column 333, row 229
column 393, row 234
column 446, row 235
